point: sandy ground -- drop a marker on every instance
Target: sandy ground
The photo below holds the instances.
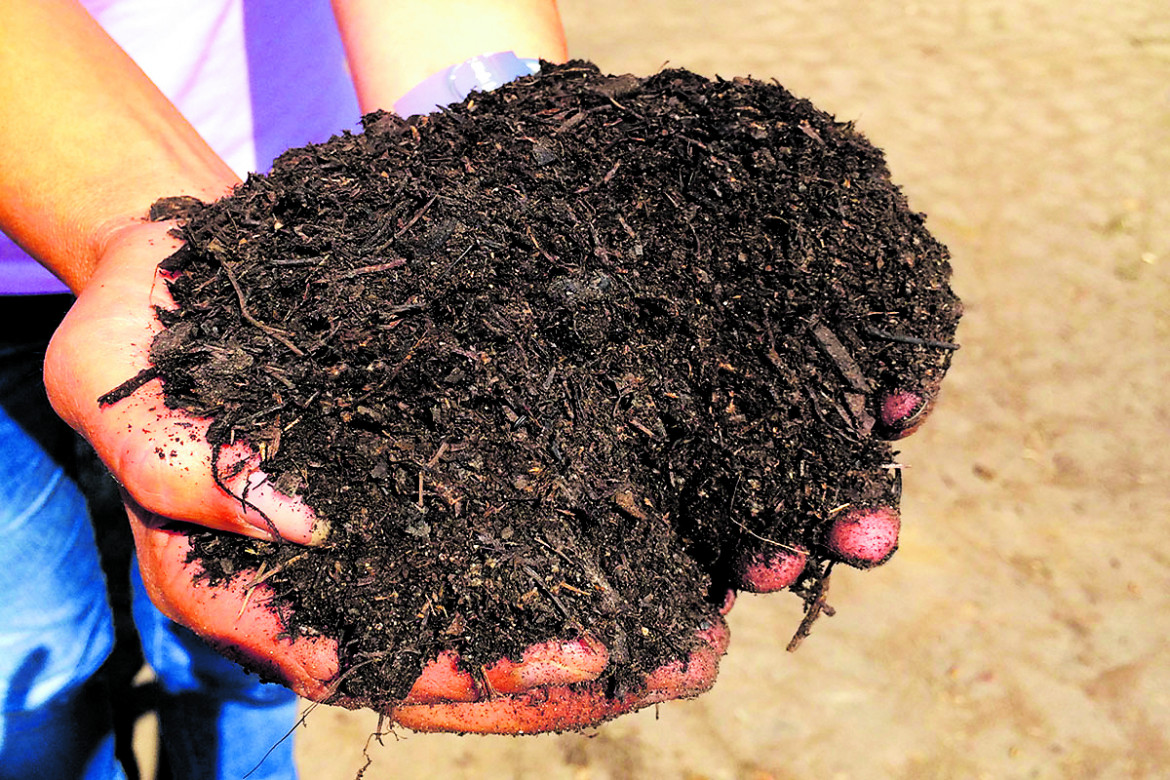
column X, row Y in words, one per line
column 1019, row 632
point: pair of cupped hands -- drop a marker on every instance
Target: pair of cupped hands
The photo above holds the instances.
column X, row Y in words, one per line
column 163, row 462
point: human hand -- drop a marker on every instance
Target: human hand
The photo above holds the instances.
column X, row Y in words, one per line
column 551, row 688
column 861, row 536
column 160, row 457
column 169, row 473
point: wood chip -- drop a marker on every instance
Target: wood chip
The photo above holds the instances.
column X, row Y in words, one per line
column 841, row 357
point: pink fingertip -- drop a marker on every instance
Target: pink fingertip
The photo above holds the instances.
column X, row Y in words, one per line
column 718, row 635
column 550, row 663
column 679, row 679
column 767, row 571
column 865, row 537
column 442, row 680
column 901, row 412
column 728, row 602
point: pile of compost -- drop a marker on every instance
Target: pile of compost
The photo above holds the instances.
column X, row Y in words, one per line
column 551, row 359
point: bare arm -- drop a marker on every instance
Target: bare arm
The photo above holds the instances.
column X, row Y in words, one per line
column 392, row 46
column 86, row 141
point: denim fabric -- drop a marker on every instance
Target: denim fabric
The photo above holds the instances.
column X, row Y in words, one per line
column 216, row 720
column 56, row 626
column 55, row 623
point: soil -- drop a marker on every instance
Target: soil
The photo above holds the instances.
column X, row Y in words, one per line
column 552, row 359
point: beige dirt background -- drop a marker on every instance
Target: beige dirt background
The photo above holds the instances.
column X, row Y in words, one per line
column 1020, row 630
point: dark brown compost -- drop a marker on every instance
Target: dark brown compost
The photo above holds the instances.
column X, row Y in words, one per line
column 550, row 359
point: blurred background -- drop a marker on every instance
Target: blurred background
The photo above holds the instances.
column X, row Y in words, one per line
column 1020, row 630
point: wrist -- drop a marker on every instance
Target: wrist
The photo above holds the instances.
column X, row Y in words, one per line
column 392, row 47
column 108, row 226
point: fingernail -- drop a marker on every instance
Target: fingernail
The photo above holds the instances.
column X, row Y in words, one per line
column 320, row 532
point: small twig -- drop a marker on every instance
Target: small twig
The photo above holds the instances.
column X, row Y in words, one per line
column 443, row 447
column 451, row 266
column 623, row 108
column 649, row 433
column 245, row 504
column 260, row 576
column 816, row 605
column 295, row 261
column 484, row 684
column 612, row 171
column 808, row 130
column 554, row 550
column 548, row 592
column 365, row 269
column 128, row 387
column 300, row 722
column 417, row 216
column 378, row 733
column 247, row 315
column 335, row 684
column 823, row 417
column 913, row 341
column 539, row 248
column 840, row 355
column 409, row 353
column 263, row 576
column 765, row 539
column 625, row 501
column 569, row 587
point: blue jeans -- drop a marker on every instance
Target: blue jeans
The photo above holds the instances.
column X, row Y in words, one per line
column 56, row 626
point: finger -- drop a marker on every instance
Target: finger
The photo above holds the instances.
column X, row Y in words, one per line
column 547, row 664
column 769, row 569
column 443, row 680
column 563, row 708
column 238, row 618
column 728, row 602
column 865, row 537
column 558, row 708
column 686, row 679
column 902, row 412
column 164, row 461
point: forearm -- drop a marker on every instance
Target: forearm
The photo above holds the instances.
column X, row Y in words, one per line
column 392, row 46
column 87, row 141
